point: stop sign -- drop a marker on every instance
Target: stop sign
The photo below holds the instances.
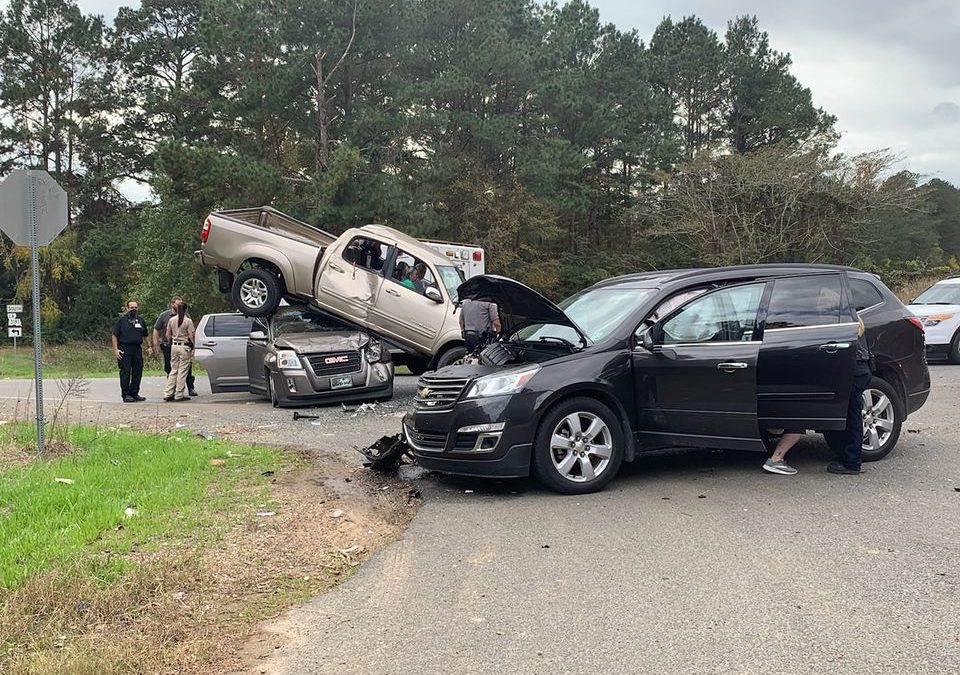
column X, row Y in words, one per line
column 47, row 200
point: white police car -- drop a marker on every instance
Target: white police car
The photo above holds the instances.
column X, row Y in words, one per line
column 938, row 308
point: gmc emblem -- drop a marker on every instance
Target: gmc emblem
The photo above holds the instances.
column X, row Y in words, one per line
column 330, row 360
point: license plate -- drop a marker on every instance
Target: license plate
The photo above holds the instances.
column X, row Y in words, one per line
column 341, row 382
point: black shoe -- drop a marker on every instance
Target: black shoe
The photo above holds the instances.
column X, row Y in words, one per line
column 140, row 398
column 169, row 399
column 837, row 467
column 193, row 392
column 129, row 399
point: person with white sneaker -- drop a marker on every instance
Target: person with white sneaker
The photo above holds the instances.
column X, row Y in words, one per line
column 776, row 463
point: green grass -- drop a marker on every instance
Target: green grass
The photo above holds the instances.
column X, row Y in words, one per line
column 73, row 359
column 178, row 496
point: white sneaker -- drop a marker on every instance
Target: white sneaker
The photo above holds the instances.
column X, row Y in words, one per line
column 780, row 467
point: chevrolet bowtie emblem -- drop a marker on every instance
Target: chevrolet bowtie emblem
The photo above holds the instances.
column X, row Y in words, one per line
column 424, row 392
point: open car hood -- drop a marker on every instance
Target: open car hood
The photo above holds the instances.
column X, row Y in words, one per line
column 318, row 343
column 520, row 306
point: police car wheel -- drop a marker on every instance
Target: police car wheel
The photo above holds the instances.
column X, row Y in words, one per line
column 256, row 292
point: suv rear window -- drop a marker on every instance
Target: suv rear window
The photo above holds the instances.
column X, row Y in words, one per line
column 798, row 302
column 864, row 294
column 229, row 326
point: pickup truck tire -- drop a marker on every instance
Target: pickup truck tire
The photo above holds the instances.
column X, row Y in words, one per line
column 451, row 356
column 257, row 292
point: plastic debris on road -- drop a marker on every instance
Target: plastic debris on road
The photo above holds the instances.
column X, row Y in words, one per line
column 336, row 513
column 264, row 514
column 65, row 481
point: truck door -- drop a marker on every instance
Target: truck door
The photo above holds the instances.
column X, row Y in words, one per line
column 350, row 280
column 806, row 364
column 696, row 372
column 405, row 310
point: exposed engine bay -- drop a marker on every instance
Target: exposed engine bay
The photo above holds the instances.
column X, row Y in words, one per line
column 516, row 352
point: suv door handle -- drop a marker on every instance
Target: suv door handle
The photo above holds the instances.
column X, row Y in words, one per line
column 730, row 366
column 393, row 292
column 834, row 347
column 335, row 268
column 210, row 343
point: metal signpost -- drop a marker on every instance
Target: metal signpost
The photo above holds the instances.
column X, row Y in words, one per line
column 33, row 211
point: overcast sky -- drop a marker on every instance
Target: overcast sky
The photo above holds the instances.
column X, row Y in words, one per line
column 889, row 70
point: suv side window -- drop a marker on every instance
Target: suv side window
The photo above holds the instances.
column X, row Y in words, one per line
column 412, row 273
column 864, row 294
column 367, row 253
column 797, row 302
column 725, row 315
column 229, row 325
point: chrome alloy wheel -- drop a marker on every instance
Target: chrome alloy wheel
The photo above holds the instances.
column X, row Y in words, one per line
column 581, row 447
column 879, row 416
column 253, row 293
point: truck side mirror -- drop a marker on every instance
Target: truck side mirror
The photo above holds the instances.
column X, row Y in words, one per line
column 433, row 294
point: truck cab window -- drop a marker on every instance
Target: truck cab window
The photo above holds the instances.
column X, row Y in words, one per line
column 412, row 273
column 366, row 253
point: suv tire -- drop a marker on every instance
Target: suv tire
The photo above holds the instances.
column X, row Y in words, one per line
column 953, row 355
column 562, row 467
column 256, row 292
column 879, row 391
column 271, row 392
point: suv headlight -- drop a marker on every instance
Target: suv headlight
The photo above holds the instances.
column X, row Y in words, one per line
column 288, row 360
column 498, row 384
column 934, row 319
column 373, row 351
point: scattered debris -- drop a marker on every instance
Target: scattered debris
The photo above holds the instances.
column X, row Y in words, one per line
column 355, row 548
column 269, row 426
column 545, row 546
column 666, row 499
column 412, row 472
column 386, row 454
column 217, row 462
column 65, row 481
column 414, row 493
column 468, row 492
column 701, row 496
column 913, row 431
column 956, row 489
column 265, row 514
column 130, row 512
column 208, row 435
column 179, row 425
column 317, row 423
column 178, row 595
column 362, row 409
column 297, row 415
column 336, row 513
column 268, row 472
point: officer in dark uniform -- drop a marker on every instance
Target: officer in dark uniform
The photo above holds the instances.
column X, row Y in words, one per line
column 128, row 335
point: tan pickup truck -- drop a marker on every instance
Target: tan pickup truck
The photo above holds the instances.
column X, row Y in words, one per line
column 373, row 276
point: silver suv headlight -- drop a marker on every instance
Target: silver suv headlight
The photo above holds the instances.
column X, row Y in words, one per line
column 373, row 351
column 498, row 384
column 288, row 360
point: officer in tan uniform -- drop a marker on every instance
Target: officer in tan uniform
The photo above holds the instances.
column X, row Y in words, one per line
column 180, row 336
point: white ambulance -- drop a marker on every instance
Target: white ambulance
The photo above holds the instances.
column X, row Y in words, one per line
column 470, row 259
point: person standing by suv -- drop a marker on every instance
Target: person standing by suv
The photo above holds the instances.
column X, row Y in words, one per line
column 161, row 344
column 479, row 321
column 849, row 442
column 180, row 335
column 129, row 332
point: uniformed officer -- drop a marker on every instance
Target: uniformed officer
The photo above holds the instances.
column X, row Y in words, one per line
column 128, row 335
column 162, row 345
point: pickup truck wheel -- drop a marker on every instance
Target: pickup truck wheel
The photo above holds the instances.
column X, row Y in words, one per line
column 451, row 356
column 256, row 292
column 579, row 447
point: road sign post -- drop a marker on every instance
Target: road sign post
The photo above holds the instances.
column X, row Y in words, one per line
column 33, row 211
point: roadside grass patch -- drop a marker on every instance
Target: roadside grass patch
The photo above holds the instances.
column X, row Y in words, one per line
column 86, row 359
column 106, row 533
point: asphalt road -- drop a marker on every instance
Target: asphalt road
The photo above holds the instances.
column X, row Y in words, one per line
column 690, row 562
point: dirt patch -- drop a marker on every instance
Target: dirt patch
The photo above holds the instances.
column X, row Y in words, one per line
column 199, row 607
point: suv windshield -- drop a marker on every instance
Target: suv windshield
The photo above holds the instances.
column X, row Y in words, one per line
column 289, row 321
column 452, row 277
column 940, row 294
column 596, row 311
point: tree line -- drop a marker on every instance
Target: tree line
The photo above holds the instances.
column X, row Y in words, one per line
column 570, row 149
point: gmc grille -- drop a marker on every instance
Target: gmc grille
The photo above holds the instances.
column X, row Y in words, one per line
column 334, row 364
column 438, row 393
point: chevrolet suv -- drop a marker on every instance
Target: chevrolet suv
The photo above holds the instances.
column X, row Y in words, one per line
column 720, row 358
